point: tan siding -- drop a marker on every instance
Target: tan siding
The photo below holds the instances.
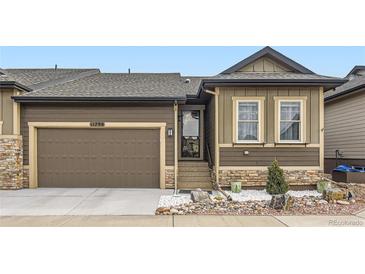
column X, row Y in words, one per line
column 262, row 93
column 226, row 105
column 283, row 91
column 7, row 110
column 314, row 121
column 345, row 127
column 264, row 156
column 227, row 118
column 97, row 112
column 270, row 110
column 264, row 64
column 221, row 117
column 310, row 103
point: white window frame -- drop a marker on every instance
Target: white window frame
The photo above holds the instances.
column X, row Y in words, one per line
column 258, row 122
column 302, row 121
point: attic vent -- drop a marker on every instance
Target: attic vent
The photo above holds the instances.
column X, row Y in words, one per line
column 187, row 81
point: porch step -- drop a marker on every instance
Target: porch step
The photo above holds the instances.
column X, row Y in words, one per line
column 193, row 163
column 191, row 186
column 194, row 174
column 193, row 178
column 193, row 169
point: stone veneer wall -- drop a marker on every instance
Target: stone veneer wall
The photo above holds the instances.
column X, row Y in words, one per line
column 169, row 177
column 253, row 178
column 25, row 176
column 11, row 162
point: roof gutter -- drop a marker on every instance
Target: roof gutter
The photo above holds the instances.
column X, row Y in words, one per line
column 346, row 92
column 34, row 99
column 269, row 82
column 14, row 84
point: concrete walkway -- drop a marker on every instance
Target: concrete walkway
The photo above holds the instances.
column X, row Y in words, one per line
column 79, row 201
column 184, row 221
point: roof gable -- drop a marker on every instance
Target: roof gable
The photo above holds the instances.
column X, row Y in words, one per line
column 265, row 64
column 267, row 60
column 357, row 70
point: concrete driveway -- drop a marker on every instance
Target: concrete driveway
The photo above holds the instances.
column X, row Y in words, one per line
column 79, row 201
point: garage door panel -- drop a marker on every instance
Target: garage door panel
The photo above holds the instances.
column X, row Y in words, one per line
column 98, row 157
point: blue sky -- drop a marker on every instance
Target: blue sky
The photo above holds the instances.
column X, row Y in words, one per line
column 332, row 61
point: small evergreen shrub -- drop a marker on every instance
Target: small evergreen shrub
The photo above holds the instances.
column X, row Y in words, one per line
column 276, row 183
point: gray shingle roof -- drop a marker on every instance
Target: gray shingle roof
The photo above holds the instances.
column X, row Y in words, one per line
column 193, row 87
column 355, row 70
column 40, row 78
column 6, row 77
column 352, row 85
column 122, row 85
column 152, row 85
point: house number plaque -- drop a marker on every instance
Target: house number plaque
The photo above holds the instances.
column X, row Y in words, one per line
column 97, row 124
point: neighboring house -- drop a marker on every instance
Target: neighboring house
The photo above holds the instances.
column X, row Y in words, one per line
column 345, row 122
column 165, row 130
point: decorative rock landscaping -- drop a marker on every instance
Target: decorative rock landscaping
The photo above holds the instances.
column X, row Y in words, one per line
column 282, row 201
column 170, row 200
column 200, row 196
column 257, row 202
column 334, row 194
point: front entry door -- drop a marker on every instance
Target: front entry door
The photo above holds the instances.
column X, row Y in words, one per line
column 191, row 134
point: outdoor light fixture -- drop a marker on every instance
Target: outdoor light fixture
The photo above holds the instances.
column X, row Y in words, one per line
column 169, row 132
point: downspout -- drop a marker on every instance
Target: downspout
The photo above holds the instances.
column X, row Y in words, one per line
column 321, row 128
column 175, row 146
column 216, row 136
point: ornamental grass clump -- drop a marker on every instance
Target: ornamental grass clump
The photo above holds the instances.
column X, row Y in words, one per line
column 276, row 183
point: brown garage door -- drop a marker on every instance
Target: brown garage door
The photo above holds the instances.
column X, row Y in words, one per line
column 98, row 158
